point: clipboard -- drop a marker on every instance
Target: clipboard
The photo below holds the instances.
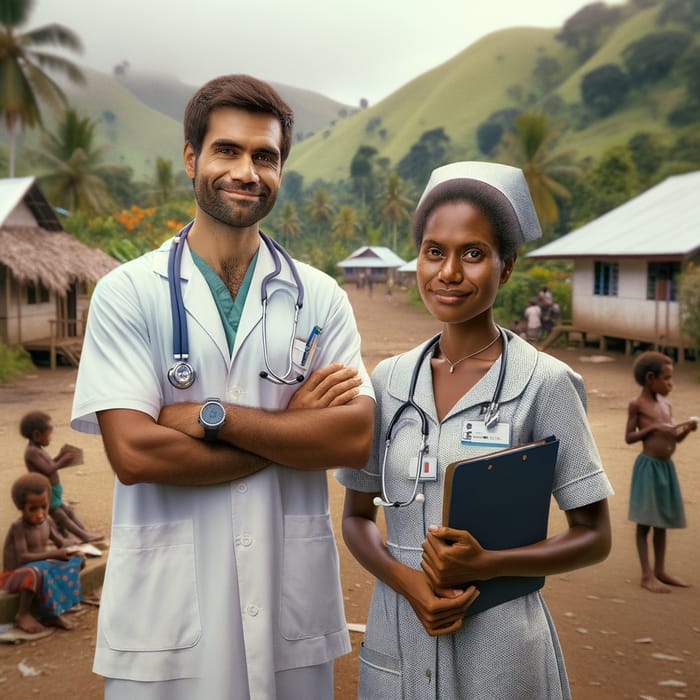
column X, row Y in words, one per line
column 502, row 499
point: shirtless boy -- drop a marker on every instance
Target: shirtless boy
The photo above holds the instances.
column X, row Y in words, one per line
column 46, row 577
column 655, row 496
column 37, row 428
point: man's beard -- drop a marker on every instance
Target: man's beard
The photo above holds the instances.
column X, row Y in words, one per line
column 237, row 214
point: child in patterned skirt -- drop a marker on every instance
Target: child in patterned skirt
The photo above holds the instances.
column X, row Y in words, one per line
column 45, row 578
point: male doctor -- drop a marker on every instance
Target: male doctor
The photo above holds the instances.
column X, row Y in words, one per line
column 222, row 580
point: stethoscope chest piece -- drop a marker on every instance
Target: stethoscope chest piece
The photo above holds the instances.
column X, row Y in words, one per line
column 182, row 375
column 491, row 416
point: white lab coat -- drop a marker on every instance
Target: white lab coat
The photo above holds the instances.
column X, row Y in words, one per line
column 202, row 580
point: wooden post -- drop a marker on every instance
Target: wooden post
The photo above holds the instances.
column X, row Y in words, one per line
column 52, row 355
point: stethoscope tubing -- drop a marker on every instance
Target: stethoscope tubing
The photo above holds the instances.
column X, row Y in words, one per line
column 276, row 250
column 182, row 375
column 491, row 416
column 177, row 306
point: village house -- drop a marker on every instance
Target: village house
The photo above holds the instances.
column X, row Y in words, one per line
column 45, row 275
column 370, row 264
column 627, row 264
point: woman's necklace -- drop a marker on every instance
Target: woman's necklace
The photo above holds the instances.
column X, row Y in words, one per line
column 466, row 357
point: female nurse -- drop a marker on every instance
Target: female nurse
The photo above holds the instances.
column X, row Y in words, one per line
column 420, row 642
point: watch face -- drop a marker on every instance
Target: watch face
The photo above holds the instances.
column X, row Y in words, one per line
column 212, row 414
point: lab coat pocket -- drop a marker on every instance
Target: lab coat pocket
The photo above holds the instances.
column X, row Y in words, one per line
column 311, row 600
column 380, row 675
column 301, row 355
column 150, row 587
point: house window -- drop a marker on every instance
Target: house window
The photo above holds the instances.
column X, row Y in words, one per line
column 662, row 280
column 605, row 279
column 37, row 293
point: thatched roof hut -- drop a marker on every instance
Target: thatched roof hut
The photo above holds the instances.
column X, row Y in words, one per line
column 45, row 274
column 34, row 246
column 54, row 258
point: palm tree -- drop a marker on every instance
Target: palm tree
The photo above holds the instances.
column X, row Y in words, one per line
column 530, row 146
column 320, row 208
column 22, row 78
column 164, row 184
column 74, row 171
column 395, row 205
column 289, row 226
column 345, row 223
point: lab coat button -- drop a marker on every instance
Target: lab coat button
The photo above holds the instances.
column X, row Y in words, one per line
column 234, row 393
column 241, row 488
column 252, row 610
column 246, row 540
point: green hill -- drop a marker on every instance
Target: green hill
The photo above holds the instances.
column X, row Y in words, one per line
column 136, row 133
column 140, row 116
column 495, row 73
column 312, row 111
column 457, row 95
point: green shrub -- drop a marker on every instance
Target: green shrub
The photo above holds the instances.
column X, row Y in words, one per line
column 690, row 303
column 14, row 362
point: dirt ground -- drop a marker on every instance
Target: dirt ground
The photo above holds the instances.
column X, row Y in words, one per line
column 620, row 641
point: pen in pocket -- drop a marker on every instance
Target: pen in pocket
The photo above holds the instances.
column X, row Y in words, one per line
column 310, row 342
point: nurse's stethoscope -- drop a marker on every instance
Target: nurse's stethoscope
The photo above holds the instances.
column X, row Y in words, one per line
column 182, row 374
column 490, row 420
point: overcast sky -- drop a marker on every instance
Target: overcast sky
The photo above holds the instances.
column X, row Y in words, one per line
column 344, row 49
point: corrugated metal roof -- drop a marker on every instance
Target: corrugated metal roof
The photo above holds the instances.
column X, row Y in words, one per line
column 372, row 256
column 13, row 190
column 663, row 221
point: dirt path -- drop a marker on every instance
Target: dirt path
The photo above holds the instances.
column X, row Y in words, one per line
column 620, row 641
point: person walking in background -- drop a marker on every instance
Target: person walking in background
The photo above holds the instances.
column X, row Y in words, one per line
column 533, row 320
column 36, row 427
column 544, row 297
column 418, row 644
column 45, row 578
column 546, row 304
column 554, row 314
column 222, row 550
column 655, row 494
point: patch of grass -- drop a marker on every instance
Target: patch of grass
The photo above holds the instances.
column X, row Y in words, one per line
column 14, row 362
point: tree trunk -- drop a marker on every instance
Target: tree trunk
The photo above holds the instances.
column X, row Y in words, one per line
column 11, row 151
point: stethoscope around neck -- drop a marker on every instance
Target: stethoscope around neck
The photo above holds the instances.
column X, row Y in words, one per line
column 182, row 374
column 491, row 415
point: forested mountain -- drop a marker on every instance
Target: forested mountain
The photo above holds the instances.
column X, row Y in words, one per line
column 610, row 72
column 140, row 115
column 607, row 74
column 594, row 112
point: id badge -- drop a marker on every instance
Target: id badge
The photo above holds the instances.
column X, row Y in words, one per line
column 428, row 469
column 475, row 432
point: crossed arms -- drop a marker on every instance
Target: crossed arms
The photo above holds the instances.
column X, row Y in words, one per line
column 325, row 424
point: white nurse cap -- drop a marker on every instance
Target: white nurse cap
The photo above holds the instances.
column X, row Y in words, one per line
column 503, row 187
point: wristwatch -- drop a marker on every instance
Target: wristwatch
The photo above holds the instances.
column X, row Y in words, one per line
column 212, row 416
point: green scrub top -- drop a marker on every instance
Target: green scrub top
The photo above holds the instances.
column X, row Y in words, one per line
column 230, row 309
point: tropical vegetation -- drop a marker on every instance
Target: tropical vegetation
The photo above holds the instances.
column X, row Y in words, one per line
column 25, row 66
column 594, row 113
column 75, row 175
column 14, row 362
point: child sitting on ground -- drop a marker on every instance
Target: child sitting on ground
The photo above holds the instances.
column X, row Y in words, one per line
column 49, row 578
column 36, row 427
column 655, row 495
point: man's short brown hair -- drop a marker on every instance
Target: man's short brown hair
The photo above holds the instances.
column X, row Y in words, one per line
column 242, row 92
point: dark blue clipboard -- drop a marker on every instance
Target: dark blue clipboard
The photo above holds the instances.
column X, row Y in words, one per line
column 502, row 499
